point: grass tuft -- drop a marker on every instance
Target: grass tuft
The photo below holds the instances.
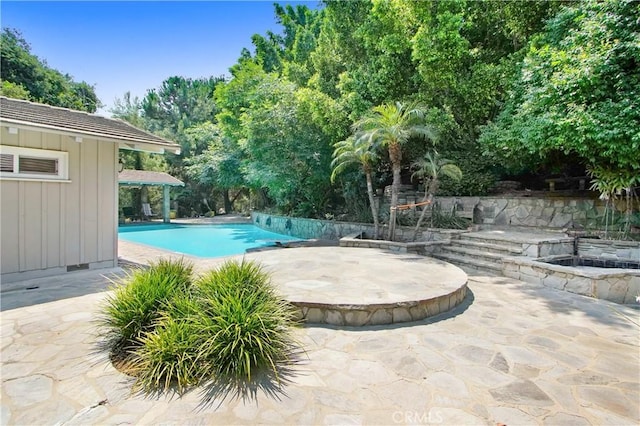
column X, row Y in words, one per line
column 174, row 332
column 134, row 306
column 248, row 326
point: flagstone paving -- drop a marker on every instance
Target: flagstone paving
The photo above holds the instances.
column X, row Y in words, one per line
column 512, row 353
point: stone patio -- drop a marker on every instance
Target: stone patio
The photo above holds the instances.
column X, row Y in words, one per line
column 512, row 352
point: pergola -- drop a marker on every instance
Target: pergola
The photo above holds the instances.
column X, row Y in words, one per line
column 147, row 178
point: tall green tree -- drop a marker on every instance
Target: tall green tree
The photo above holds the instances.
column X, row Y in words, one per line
column 577, row 91
column 359, row 150
column 26, row 76
column 129, row 109
column 391, row 126
column 219, row 166
column 178, row 104
column 174, row 111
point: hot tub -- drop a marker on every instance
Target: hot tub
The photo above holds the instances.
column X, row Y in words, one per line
column 572, row 274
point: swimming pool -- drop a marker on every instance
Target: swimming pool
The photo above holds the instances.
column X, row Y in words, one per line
column 202, row 240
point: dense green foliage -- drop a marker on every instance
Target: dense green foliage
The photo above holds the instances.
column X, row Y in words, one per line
column 457, row 58
column 172, row 331
column 508, row 87
column 25, row 76
column 577, row 90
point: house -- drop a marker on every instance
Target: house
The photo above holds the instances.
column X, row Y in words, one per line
column 59, row 188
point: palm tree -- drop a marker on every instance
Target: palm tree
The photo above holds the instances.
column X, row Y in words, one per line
column 391, row 126
column 611, row 183
column 431, row 168
column 357, row 150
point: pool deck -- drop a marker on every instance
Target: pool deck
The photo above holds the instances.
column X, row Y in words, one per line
column 513, row 353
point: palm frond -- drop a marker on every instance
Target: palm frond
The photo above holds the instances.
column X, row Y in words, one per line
column 452, row 171
column 357, row 149
column 432, row 166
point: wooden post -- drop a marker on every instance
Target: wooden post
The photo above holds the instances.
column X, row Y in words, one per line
column 166, row 201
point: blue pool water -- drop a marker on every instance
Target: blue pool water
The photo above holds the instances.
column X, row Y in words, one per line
column 202, row 240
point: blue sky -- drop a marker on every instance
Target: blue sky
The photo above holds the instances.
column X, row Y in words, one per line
column 134, row 46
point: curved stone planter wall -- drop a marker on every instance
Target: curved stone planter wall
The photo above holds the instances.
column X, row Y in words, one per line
column 360, row 286
column 392, row 313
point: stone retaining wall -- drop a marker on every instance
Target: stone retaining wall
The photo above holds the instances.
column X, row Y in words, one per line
column 334, row 230
column 552, row 212
column 539, row 212
column 609, row 249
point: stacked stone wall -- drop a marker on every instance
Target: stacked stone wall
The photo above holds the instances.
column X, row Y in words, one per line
column 609, row 250
column 544, row 212
column 539, row 212
column 517, row 212
column 620, row 286
column 552, row 212
column 334, row 230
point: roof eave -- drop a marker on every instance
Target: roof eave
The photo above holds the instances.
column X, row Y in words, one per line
column 133, row 144
column 147, row 183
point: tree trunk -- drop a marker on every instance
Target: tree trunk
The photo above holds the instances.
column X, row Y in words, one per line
column 227, row 201
column 428, row 196
column 627, row 213
column 235, row 197
column 374, row 212
column 395, row 155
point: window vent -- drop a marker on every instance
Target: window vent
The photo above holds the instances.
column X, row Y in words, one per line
column 45, row 166
column 30, row 163
column 6, row 163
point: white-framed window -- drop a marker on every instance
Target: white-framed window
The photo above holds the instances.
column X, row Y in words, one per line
column 28, row 163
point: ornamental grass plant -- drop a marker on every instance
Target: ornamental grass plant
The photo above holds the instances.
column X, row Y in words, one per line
column 247, row 327
column 172, row 331
column 134, row 306
column 166, row 357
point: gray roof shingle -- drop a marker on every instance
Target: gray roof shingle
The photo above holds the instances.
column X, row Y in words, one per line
column 47, row 116
column 144, row 177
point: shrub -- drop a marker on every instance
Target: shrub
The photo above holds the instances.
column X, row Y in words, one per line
column 447, row 220
column 133, row 307
column 174, row 333
column 167, row 355
column 248, row 328
column 233, row 275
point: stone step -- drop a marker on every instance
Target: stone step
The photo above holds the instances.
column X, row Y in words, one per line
column 467, row 264
column 494, row 248
column 493, row 241
column 475, row 254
